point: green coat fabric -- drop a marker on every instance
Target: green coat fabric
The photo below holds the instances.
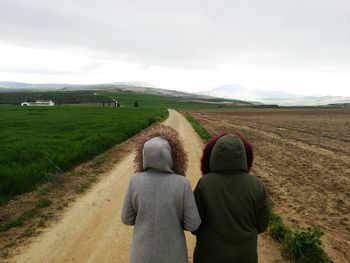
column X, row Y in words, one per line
column 234, row 207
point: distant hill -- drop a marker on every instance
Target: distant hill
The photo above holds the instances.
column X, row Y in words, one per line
column 232, row 95
column 311, row 101
column 135, row 87
column 274, row 97
column 23, row 86
column 240, row 92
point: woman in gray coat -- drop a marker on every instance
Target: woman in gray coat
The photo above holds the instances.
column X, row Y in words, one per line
column 159, row 202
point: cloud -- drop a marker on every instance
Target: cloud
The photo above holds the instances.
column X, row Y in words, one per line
column 187, row 33
column 193, row 35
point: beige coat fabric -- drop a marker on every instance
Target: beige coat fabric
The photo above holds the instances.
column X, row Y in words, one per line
column 160, row 205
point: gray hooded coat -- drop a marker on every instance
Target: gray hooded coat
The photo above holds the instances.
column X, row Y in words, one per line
column 160, row 204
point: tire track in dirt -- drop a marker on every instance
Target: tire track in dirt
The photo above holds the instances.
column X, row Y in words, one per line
column 90, row 230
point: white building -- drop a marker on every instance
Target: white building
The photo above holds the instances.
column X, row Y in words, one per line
column 39, row 103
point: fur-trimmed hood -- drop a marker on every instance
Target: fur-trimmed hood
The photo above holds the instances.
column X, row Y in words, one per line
column 161, row 148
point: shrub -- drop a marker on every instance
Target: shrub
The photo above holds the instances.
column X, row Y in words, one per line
column 301, row 246
column 306, row 246
column 277, row 229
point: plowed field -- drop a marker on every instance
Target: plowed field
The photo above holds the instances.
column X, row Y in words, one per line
column 303, row 156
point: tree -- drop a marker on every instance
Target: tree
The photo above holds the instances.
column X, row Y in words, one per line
column 136, row 103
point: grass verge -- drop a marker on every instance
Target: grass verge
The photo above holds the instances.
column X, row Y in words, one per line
column 24, row 216
column 19, row 220
column 301, row 246
column 203, row 133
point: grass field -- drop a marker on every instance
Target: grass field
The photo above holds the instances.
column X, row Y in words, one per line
column 38, row 142
column 59, row 97
column 127, row 99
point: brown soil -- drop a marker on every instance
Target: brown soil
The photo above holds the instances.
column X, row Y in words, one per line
column 303, row 156
column 89, row 230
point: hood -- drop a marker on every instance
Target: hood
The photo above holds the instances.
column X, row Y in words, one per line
column 228, row 154
column 160, row 147
column 156, row 154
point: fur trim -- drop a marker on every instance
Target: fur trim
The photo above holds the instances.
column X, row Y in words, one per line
column 178, row 152
column 205, row 168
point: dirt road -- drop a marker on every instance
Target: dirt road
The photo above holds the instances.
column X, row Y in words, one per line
column 91, row 231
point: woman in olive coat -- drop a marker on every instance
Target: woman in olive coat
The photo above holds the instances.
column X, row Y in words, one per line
column 159, row 202
column 233, row 205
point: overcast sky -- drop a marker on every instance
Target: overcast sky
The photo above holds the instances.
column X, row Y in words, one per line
column 300, row 46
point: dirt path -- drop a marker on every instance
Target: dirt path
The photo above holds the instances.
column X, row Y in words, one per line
column 91, row 231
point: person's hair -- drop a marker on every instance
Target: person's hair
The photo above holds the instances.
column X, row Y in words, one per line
column 205, row 160
column 178, row 152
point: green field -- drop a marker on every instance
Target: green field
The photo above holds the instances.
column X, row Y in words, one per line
column 37, row 142
column 127, row 99
column 59, row 97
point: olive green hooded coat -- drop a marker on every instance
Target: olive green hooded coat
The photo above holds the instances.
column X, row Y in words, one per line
column 234, row 207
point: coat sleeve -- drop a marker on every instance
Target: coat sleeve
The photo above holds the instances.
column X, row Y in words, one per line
column 128, row 215
column 191, row 220
column 264, row 210
column 198, row 195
